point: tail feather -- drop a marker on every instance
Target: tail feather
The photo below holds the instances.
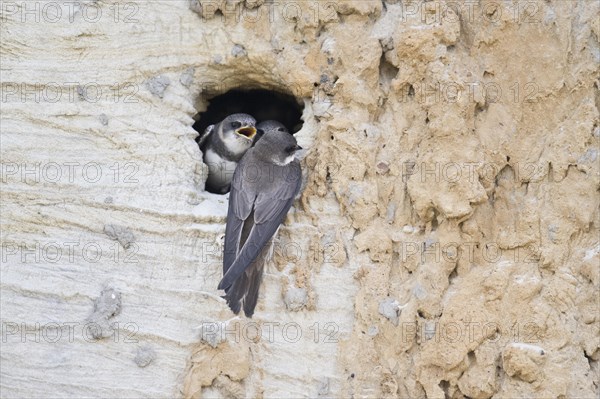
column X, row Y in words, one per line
column 235, row 294
column 251, row 297
column 244, row 290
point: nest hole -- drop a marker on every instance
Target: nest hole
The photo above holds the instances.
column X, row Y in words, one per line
column 261, row 104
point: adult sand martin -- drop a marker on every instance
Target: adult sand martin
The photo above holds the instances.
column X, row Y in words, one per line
column 264, row 185
column 223, row 145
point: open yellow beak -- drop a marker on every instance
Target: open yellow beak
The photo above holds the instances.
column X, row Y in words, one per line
column 247, row 131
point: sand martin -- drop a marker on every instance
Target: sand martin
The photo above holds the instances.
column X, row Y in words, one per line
column 223, row 145
column 264, row 186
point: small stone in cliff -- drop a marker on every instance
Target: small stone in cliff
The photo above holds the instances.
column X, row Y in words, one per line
column 390, row 309
column 187, row 77
column 212, row 333
column 120, row 234
column 523, row 361
column 106, row 306
column 238, row 51
column 158, row 85
column 295, row 298
column 323, row 386
column 144, row 356
column 383, row 168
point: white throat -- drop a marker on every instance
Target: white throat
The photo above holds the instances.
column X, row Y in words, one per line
column 234, row 143
column 286, row 161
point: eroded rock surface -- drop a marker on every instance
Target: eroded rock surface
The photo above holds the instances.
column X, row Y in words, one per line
column 452, row 170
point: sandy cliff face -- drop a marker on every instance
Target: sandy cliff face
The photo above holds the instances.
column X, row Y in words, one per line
column 445, row 245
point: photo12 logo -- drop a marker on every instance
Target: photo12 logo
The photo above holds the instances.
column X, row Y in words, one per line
column 71, row 92
column 287, row 251
column 439, row 11
column 471, row 331
column 490, row 252
column 68, row 172
column 53, row 12
column 311, row 12
column 472, row 92
column 453, row 172
column 54, row 332
column 213, row 332
column 75, row 252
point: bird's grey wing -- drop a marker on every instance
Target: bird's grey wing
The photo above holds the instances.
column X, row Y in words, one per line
column 273, row 205
column 245, row 289
column 203, row 139
column 269, row 211
column 252, row 281
column 239, row 214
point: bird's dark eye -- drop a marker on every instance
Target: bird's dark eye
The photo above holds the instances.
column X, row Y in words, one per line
column 290, row 149
column 281, row 129
column 236, row 124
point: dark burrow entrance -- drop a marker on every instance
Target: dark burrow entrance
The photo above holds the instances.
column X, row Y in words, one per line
column 261, row 104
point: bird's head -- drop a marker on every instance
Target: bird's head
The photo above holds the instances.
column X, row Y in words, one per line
column 239, row 129
column 264, row 126
column 278, row 147
column 272, row 125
